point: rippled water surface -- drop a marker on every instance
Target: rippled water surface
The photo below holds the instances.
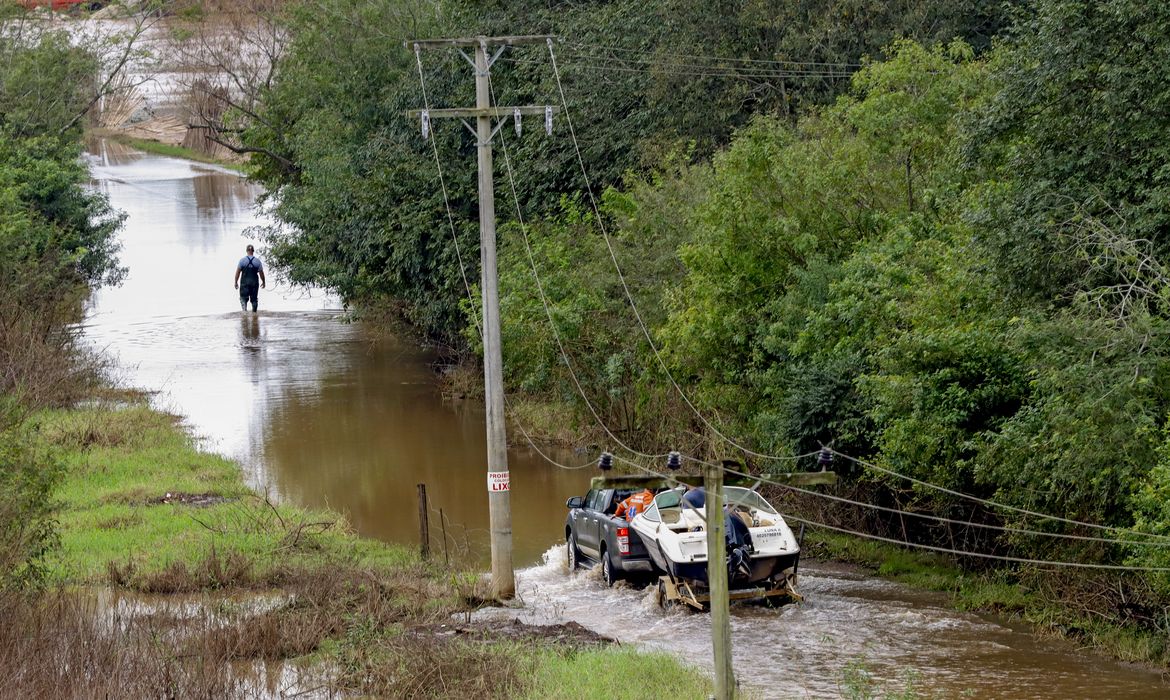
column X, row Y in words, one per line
column 316, row 410
column 903, row 638
column 319, row 413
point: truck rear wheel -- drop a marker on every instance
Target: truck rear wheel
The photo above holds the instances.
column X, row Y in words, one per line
column 574, row 556
column 607, row 571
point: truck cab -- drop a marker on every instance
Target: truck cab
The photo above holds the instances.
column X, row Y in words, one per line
column 595, row 536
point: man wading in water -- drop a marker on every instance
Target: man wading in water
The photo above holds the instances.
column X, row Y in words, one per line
column 253, row 273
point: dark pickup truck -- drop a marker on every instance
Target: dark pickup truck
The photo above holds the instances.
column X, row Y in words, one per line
column 594, row 534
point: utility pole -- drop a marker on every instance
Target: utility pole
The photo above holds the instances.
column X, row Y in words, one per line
column 498, row 480
column 717, row 580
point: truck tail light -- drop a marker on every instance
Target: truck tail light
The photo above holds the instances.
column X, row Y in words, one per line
column 623, row 540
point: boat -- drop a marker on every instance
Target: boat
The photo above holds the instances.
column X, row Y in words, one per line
column 763, row 553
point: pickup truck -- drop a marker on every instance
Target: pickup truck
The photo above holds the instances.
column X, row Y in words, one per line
column 593, row 534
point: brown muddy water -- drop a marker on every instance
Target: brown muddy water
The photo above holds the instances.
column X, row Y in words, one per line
column 317, row 411
column 321, row 414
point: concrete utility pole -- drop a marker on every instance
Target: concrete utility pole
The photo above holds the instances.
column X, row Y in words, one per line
column 498, row 481
column 717, row 580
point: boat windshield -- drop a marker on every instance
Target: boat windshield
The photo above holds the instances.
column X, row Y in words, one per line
column 737, row 495
column 668, row 499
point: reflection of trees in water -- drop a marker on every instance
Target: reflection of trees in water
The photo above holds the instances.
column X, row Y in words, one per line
column 111, row 152
column 223, row 193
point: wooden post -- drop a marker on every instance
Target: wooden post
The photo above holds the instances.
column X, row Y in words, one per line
column 424, row 530
column 717, row 580
column 443, row 523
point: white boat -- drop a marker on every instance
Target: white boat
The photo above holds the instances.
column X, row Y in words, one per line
column 762, row 551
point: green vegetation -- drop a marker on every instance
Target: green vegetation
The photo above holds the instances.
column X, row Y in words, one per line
column 136, row 494
column 950, row 264
column 351, row 172
column 56, row 242
column 143, row 510
column 606, row 673
column 210, row 582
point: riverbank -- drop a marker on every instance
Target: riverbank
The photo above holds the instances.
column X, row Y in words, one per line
column 1050, row 603
column 144, row 512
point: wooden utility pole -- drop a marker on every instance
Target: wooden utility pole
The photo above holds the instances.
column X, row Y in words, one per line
column 498, row 480
column 717, row 580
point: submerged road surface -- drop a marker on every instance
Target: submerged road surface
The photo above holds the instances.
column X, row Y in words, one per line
column 318, row 412
column 901, row 638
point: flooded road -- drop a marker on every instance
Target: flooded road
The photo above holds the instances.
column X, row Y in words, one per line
column 902, row 638
column 320, row 413
column 317, row 411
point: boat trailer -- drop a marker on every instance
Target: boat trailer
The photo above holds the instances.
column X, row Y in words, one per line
column 697, row 594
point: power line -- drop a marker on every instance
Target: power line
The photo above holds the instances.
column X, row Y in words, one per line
column 663, row 70
column 622, row 278
column 548, row 313
column 981, row 555
column 701, row 57
column 950, row 521
column 933, row 548
column 544, row 299
column 993, row 504
column 734, row 70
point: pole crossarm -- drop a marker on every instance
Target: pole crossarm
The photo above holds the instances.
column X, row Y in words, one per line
column 478, row 41
column 475, row 112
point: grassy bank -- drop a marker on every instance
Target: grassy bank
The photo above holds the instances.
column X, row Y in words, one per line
column 164, row 149
column 1055, row 603
column 144, row 511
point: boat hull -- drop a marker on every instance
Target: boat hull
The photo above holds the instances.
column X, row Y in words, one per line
column 761, row 568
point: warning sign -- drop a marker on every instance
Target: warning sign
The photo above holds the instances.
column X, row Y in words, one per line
column 497, row 481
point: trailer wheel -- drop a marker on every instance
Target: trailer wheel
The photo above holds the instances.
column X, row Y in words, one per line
column 664, row 601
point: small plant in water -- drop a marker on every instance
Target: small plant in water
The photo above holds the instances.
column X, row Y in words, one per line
column 859, row 684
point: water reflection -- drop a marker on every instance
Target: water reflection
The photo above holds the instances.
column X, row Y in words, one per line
column 317, row 411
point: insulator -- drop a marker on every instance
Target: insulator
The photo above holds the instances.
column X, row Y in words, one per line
column 516, row 119
column 606, row 462
column 673, row 461
column 825, row 457
column 426, row 124
column 548, row 120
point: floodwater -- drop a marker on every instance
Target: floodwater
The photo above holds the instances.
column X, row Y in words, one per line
column 318, row 412
column 901, row 638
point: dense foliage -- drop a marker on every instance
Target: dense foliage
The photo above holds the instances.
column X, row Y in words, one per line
column 950, row 264
column 356, row 184
column 56, row 243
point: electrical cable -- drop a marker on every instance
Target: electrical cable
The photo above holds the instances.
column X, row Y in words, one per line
column 701, row 67
column 981, row 555
column 701, row 57
column 993, row 504
column 601, row 423
column 463, row 267
column 772, row 75
column 933, row 548
column 941, row 519
column 544, row 299
column 622, row 278
column 662, row 363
